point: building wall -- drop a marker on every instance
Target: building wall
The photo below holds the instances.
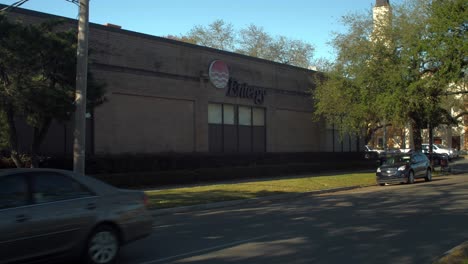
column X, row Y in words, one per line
column 158, row 95
column 294, row 131
column 173, row 75
column 152, row 123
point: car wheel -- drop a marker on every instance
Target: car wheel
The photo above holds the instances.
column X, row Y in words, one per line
column 428, row 177
column 103, row 246
column 382, row 184
column 410, row 178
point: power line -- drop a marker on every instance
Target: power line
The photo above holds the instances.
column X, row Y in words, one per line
column 21, row 2
column 76, row 2
column 14, row 5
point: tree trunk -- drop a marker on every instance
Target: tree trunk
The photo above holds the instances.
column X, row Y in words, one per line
column 417, row 138
column 38, row 138
column 368, row 136
column 13, row 138
column 370, row 131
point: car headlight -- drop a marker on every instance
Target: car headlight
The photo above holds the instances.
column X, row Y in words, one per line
column 402, row 168
column 378, row 169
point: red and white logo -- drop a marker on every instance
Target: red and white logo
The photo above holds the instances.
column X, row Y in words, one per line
column 219, row 74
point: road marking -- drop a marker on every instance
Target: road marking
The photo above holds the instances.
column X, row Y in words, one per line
column 204, row 250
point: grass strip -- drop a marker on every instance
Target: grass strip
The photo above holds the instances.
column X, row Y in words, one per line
column 186, row 196
column 458, row 255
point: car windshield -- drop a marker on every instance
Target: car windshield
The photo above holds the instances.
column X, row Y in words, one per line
column 397, row 159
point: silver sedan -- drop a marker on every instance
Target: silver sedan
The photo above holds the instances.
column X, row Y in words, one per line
column 57, row 214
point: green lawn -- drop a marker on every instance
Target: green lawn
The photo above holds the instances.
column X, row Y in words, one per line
column 459, row 255
column 245, row 190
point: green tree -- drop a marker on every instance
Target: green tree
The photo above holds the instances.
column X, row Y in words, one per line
column 447, row 44
column 389, row 72
column 18, row 56
column 428, row 69
column 43, row 90
column 354, row 92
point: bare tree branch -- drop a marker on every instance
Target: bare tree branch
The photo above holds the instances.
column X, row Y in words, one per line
column 461, row 114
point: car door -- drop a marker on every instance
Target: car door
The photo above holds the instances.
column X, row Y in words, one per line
column 15, row 204
column 420, row 166
column 63, row 212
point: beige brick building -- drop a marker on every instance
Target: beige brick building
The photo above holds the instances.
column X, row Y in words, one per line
column 162, row 98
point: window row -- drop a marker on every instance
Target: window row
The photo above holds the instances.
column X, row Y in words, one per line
column 236, row 129
column 231, row 115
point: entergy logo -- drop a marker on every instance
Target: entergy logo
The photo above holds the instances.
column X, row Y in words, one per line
column 219, row 74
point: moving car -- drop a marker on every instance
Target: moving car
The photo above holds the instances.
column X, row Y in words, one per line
column 404, row 168
column 57, row 214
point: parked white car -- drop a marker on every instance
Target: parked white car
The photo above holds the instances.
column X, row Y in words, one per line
column 378, row 152
column 453, row 153
column 440, row 149
column 406, row 150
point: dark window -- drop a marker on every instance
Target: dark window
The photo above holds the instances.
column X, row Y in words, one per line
column 258, row 130
column 13, row 191
column 51, row 187
column 245, row 129
column 215, row 127
column 236, row 128
column 230, row 133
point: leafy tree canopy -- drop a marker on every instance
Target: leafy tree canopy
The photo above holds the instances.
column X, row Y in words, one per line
column 396, row 70
column 251, row 41
column 37, row 79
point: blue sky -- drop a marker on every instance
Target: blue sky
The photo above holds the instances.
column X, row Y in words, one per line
column 311, row 21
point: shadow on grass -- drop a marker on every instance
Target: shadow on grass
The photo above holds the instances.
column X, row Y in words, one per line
column 168, row 200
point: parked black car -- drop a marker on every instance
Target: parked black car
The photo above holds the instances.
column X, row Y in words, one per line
column 404, row 168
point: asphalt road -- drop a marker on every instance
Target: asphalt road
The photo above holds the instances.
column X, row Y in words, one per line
column 391, row 224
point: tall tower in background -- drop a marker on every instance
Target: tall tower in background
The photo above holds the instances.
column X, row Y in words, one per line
column 381, row 9
column 382, row 19
column 382, row 16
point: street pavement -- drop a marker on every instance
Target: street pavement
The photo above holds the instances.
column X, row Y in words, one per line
column 392, row 224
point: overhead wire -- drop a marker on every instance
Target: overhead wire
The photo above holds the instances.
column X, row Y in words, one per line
column 21, row 2
column 76, row 2
column 14, row 5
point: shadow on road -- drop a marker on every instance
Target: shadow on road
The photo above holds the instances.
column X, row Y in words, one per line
column 391, row 224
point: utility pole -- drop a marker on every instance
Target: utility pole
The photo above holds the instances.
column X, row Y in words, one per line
column 79, row 143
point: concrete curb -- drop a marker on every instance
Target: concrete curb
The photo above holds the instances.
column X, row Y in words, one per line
column 272, row 198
